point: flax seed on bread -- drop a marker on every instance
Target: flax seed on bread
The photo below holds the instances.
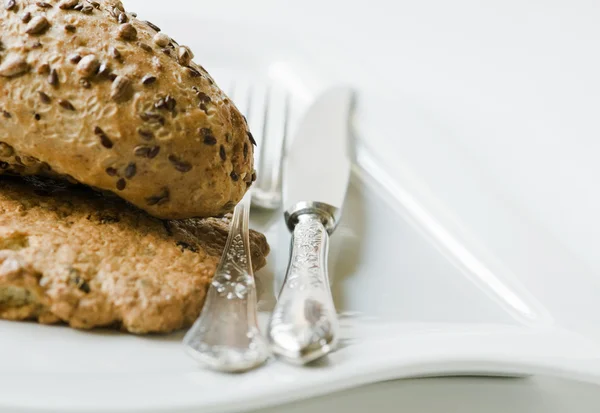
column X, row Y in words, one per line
column 90, row 93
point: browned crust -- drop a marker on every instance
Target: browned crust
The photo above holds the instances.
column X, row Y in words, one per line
column 100, row 97
column 70, row 255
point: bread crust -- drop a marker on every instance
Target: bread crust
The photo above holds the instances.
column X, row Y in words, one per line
column 90, row 93
column 68, row 254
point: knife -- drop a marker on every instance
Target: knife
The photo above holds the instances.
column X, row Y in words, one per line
column 304, row 326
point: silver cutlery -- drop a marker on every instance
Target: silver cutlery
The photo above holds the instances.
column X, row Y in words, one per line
column 316, row 170
column 267, row 110
column 226, row 336
column 266, row 191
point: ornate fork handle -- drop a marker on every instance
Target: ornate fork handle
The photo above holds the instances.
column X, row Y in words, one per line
column 304, row 325
column 226, row 336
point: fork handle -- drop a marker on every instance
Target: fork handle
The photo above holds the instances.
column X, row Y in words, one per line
column 304, row 325
column 226, row 337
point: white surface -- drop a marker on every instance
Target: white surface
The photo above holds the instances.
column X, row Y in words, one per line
column 480, row 118
column 464, row 395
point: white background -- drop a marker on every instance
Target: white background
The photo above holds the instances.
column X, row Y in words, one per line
column 508, row 88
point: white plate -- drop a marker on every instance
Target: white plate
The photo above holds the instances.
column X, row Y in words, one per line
column 419, row 291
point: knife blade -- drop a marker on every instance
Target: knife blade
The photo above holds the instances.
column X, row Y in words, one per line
column 304, row 326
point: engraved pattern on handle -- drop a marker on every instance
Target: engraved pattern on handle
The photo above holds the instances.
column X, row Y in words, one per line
column 226, row 336
column 304, row 325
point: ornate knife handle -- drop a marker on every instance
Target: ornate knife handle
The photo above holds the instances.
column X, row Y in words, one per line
column 226, row 337
column 304, row 324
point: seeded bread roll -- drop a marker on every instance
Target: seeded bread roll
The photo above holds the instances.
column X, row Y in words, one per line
column 91, row 94
column 70, row 255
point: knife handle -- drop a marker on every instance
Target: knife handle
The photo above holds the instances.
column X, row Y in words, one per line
column 304, row 324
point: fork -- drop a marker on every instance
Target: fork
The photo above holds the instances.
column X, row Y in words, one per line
column 226, row 336
column 267, row 111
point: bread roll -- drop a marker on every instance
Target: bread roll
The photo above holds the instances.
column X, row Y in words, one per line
column 70, row 255
column 90, row 93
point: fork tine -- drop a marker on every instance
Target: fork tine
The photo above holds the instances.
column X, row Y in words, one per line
column 267, row 111
column 267, row 189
